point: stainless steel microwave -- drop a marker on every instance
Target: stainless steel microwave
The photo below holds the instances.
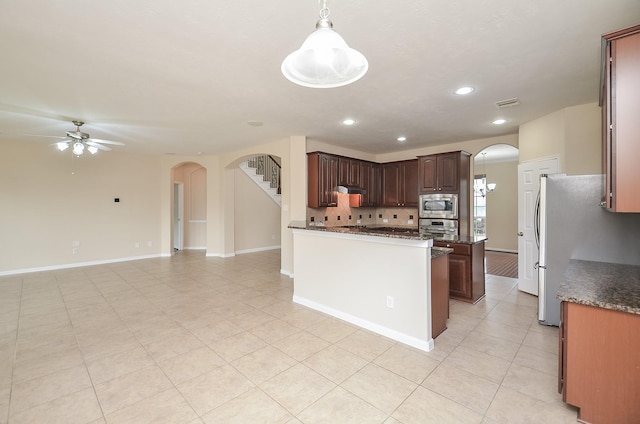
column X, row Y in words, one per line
column 438, row 206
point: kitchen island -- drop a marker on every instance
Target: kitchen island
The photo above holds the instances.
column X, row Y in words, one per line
column 375, row 278
column 599, row 364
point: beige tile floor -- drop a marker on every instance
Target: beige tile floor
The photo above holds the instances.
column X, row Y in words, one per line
column 193, row 340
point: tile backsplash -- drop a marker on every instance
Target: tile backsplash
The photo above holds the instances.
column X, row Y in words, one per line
column 343, row 214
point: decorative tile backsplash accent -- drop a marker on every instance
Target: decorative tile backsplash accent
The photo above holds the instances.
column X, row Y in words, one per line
column 343, row 214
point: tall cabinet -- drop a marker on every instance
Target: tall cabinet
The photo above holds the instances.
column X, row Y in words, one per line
column 620, row 121
column 449, row 173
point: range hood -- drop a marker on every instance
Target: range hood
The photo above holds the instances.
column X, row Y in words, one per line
column 350, row 190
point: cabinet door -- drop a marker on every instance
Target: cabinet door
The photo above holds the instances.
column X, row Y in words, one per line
column 409, row 183
column 427, row 174
column 439, row 294
column 328, row 180
column 460, row 276
column 355, row 172
column 624, row 126
column 349, row 172
column 391, row 184
column 376, row 185
column 448, row 172
column 343, row 171
column 368, row 181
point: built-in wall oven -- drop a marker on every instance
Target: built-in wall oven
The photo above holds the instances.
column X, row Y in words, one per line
column 439, row 226
column 438, row 206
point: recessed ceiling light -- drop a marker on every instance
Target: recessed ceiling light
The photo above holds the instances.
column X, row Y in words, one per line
column 499, row 121
column 402, row 139
column 464, row 90
column 349, row 121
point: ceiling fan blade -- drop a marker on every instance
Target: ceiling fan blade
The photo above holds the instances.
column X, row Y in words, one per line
column 46, row 136
column 97, row 145
column 115, row 143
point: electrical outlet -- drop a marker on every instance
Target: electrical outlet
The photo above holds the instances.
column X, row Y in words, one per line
column 136, row 244
column 385, row 220
column 149, row 243
column 74, row 251
column 410, row 221
column 390, row 302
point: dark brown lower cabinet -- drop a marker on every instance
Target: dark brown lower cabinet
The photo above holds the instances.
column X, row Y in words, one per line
column 439, row 294
column 466, row 270
column 599, row 363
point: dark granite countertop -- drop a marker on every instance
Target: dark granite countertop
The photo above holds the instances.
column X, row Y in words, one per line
column 409, row 233
column 437, row 252
column 603, row 285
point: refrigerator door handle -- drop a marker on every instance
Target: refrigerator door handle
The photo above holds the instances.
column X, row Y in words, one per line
column 541, row 239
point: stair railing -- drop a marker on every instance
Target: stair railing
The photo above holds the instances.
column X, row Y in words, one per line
column 267, row 166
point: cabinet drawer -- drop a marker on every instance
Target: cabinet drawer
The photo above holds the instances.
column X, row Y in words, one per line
column 458, row 249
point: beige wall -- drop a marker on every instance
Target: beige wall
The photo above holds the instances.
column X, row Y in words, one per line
column 256, row 217
column 502, row 206
column 583, row 145
column 51, row 199
column 45, row 208
column 573, row 134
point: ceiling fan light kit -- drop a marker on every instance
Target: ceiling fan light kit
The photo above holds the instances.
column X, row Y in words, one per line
column 324, row 60
column 81, row 141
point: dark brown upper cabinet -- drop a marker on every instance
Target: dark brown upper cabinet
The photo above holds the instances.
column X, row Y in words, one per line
column 439, row 173
column 400, row 183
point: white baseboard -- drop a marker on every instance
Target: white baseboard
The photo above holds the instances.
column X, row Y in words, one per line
column 78, row 264
column 426, row 346
column 258, row 249
column 220, row 255
column 195, row 248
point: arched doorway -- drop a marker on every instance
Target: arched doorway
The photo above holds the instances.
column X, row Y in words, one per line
column 495, row 197
column 189, row 207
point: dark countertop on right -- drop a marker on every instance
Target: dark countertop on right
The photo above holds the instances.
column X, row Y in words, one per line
column 603, row 285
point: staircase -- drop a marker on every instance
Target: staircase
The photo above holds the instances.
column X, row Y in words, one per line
column 265, row 171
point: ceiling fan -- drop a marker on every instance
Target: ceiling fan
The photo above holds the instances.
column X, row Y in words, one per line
column 79, row 141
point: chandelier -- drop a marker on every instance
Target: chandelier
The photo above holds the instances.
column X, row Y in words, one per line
column 324, row 60
column 482, row 189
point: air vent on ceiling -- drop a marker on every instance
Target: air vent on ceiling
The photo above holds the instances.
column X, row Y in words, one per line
column 508, row 103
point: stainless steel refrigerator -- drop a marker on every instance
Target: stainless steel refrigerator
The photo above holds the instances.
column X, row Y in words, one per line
column 571, row 224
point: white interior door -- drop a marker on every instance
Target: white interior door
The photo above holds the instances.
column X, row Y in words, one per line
column 178, row 216
column 528, row 187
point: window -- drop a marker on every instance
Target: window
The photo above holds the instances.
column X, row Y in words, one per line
column 479, row 205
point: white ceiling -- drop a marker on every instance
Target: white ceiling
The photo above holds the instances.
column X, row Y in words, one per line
column 187, row 76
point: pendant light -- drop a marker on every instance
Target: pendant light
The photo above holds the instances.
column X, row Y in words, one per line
column 324, row 60
column 488, row 188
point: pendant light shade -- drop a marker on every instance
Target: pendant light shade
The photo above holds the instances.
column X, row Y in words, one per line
column 324, row 60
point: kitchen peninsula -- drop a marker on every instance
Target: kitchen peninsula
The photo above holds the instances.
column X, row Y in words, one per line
column 373, row 277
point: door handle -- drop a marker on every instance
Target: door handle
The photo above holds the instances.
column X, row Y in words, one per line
column 520, row 234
